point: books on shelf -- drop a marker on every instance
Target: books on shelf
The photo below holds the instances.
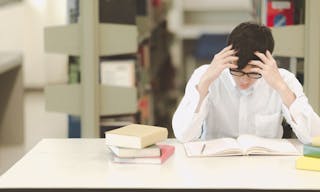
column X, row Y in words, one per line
column 166, row 152
column 136, row 136
column 280, row 13
column 308, row 163
column 109, row 11
column 151, row 151
column 243, row 145
column 118, row 72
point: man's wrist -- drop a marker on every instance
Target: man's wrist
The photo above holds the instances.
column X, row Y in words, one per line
column 282, row 87
column 286, row 94
column 202, row 89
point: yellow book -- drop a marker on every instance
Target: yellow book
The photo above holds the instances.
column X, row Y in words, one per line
column 316, row 141
column 136, row 136
column 308, row 163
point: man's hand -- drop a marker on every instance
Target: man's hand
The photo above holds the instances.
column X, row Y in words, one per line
column 224, row 59
column 269, row 70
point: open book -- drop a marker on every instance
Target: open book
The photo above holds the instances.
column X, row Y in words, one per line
column 243, row 145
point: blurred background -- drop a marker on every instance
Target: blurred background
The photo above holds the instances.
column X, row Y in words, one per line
column 77, row 68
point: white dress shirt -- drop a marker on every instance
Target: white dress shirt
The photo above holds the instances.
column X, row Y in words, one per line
column 228, row 111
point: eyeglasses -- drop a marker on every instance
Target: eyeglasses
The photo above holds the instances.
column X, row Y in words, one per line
column 251, row 75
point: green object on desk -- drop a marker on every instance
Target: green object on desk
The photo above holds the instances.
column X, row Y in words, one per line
column 311, row 151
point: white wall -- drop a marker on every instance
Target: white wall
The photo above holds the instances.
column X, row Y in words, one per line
column 12, row 27
column 22, row 25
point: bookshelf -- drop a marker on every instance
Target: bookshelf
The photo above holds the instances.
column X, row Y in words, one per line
column 190, row 19
column 89, row 39
column 303, row 41
column 11, row 99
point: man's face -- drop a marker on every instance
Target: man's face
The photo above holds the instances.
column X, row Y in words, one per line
column 244, row 81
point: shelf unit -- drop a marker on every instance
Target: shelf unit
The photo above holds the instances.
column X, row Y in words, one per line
column 190, row 19
column 303, row 41
column 289, row 45
column 155, row 71
column 66, row 39
column 91, row 40
column 66, row 98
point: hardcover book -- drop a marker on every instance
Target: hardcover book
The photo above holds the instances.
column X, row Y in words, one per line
column 152, row 151
column 311, row 151
column 308, row 163
column 136, row 136
column 166, row 152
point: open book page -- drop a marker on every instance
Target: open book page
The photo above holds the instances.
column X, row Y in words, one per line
column 255, row 145
column 214, row 147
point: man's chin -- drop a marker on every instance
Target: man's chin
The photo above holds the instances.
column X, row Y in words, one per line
column 244, row 87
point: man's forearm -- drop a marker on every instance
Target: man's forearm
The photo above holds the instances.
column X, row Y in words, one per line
column 287, row 96
column 203, row 89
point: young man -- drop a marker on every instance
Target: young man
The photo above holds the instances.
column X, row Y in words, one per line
column 242, row 91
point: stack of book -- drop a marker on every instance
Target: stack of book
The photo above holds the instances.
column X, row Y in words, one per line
column 137, row 143
column 311, row 156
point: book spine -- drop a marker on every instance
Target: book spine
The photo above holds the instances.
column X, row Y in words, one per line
column 311, row 151
column 308, row 163
column 166, row 152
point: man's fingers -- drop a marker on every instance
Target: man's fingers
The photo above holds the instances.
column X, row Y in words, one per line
column 270, row 57
column 232, row 66
column 230, row 59
column 256, row 70
column 229, row 65
column 268, row 54
column 225, row 49
column 262, row 56
column 257, row 63
column 227, row 53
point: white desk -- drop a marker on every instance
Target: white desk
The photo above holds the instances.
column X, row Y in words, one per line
column 85, row 164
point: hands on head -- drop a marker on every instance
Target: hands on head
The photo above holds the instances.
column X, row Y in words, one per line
column 227, row 58
column 224, row 59
column 268, row 68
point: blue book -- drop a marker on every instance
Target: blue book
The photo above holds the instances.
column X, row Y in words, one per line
column 74, row 123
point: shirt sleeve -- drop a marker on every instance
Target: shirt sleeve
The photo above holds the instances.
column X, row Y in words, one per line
column 186, row 124
column 304, row 121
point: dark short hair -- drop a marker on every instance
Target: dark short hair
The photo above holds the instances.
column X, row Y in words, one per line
column 249, row 37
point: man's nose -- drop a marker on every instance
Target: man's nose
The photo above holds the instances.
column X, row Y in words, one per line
column 244, row 79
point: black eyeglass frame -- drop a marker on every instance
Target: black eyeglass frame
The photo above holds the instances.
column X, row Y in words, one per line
column 251, row 75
